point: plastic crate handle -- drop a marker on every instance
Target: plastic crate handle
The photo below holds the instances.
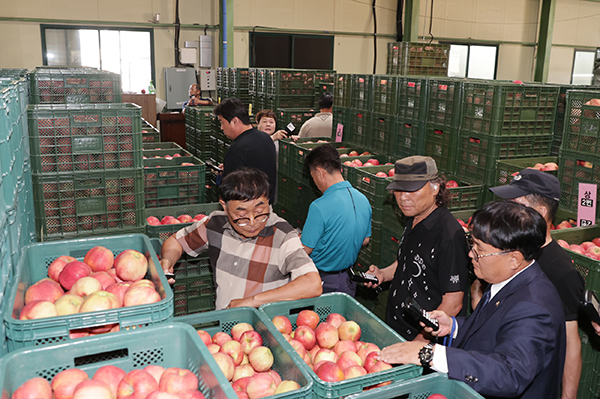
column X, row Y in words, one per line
column 86, row 120
column 101, row 357
column 89, row 182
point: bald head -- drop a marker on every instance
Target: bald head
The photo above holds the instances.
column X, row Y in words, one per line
column 194, row 90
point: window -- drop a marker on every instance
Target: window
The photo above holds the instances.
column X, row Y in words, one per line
column 472, row 61
column 583, row 67
column 126, row 52
column 280, row 50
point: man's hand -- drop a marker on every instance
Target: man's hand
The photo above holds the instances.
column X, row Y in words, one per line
column 236, row 303
column 294, row 137
column 402, row 353
column 167, row 268
column 374, row 270
column 445, row 323
column 278, row 135
column 596, row 328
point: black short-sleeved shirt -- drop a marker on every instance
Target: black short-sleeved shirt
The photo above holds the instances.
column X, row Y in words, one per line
column 557, row 265
column 254, row 149
column 432, row 261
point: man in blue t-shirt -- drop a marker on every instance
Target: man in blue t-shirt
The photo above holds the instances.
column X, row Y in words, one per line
column 338, row 223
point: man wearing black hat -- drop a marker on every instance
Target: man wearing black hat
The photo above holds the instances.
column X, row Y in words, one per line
column 432, row 263
column 541, row 191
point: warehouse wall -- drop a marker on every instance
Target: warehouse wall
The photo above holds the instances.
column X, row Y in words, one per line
column 21, row 46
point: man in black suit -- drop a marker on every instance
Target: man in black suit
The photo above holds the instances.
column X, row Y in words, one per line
column 513, row 345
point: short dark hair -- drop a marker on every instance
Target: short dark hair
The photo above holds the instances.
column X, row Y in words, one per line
column 510, row 226
column 324, row 156
column 265, row 113
column 245, row 184
column 231, row 108
column 326, row 100
column 550, row 204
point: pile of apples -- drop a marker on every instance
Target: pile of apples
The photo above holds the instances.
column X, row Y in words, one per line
column 355, row 154
column 100, row 282
column 332, row 349
column 565, row 224
column 169, row 157
column 591, row 249
column 245, row 362
column 111, row 382
column 154, row 221
column 544, row 167
column 318, row 141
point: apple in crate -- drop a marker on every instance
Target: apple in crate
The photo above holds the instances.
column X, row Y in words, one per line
column 260, row 385
column 220, row 338
column 68, row 304
column 92, row 389
column 37, row 388
column 287, row 386
column 306, row 336
column 85, row 286
column 564, row 225
column 169, row 220
column 185, row 219
column 327, row 335
column 225, row 363
column 353, row 153
column 57, row 265
column 199, row 217
column 354, row 371
column 243, row 370
column 136, row 384
column 175, row 379
column 44, row 290
column 349, row 330
column 365, row 153
column 99, row 259
column 261, row 358
column 155, row 371
column 153, row 221
column 162, row 395
column 239, row 329
column 326, row 355
column 187, row 164
column 347, row 359
column 308, row 318
column 344, row 346
column 381, row 174
column 563, row 243
column 72, row 272
column 335, row 319
column 105, row 279
column 205, row 337
column 451, row 184
column 234, row 349
column 330, row 372
column 282, row 324
column 373, row 161
column 63, row 384
column 119, row 290
column 391, row 172
column 99, row 300
column 111, row 376
column 140, row 295
column 38, row 310
column 131, row 265
column 190, row 394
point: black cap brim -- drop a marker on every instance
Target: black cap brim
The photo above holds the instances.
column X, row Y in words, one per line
column 509, row 191
column 408, row 186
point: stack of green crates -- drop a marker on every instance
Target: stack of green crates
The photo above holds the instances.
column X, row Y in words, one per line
column 295, row 116
column 412, row 58
column 342, row 90
column 150, row 134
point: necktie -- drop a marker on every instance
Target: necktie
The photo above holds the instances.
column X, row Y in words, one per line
column 484, row 300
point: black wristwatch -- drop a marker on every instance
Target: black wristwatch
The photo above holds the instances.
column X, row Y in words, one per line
column 426, row 355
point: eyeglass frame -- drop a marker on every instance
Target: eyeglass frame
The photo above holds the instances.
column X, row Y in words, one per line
column 477, row 256
column 236, row 221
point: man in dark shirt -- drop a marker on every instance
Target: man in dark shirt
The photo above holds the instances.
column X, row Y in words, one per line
column 432, row 264
column 250, row 147
column 541, row 191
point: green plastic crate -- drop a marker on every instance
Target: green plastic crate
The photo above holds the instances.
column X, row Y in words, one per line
column 320, row 89
column 348, row 171
column 74, row 86
column 507, row 168
column 409, row 140
column 373, row 330
column 285, row 186
column 168, row 183
column 202, row 117
column 34, row 267
column 445, row 95
column 163, row 232
column 287, row 101
column 168, row 345
column 440, row 144
column 88, row 204
column 290, row 82
column 508, row 109
column 342, row 90
column 190, row 139
column 341, row 116
column 385, row 94
column 165, row 151
column 418, row 58
column 582, row 123
column 362, row 92
column 360, row 125
column 150, row 136
column 88, row 137
column 477, row 154
column 422, row 388
column 6, row 261
column 575, row 168
column 382, row 133
column 284, row 362
column 412, row 103
column 166, row 145
column 295, row 116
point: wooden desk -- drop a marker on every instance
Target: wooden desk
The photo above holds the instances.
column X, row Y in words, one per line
column 172, row 127
column 147, row 102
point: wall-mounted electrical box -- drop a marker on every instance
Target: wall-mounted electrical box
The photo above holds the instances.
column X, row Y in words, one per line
column 205, row 50
column 177, row 86
column 208, row 80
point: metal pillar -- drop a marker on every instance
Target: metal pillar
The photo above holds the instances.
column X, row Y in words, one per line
column 411, row 20
column 542, row 61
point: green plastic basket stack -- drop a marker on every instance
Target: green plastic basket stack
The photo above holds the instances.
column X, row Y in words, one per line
column 373, row 330
column 168, row 182
column 33, row 266
column 508, row 168
column 418, row 58
column 168, row 345
column 285, row 364
column 150, row 134
column 163, row 232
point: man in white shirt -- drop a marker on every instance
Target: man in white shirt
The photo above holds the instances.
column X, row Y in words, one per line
column 513, row 345
column 321, row 124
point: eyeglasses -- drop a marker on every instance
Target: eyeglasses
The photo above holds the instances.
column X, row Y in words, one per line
column 477, row 256
column 246, row 221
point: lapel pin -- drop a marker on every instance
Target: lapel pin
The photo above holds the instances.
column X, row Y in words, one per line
column 497, row 303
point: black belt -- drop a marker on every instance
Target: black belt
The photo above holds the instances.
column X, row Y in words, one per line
column 332, row 273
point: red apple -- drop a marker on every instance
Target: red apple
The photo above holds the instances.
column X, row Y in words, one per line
column 111, row 376
column 113, row 273
column 143, row 283
column 213, row 348
column 343, row 155
column 306, row 336
column 451, row 184
column 119, row 290
column 99, row 259
column 175, row 379
column 105, row 279
column 38, row 310
column 275, row 375
column 298, row 347
column 234, row 349
column 373, row 161
column 330, row 372
column 325, row 355
column 347, row 163
column 380, row 366
column 381, row 174
column 313, row 352
column 368, row 164
column 85, row 286
column 587, row 244
column 92, row 389
column 287, row 386
column 349, row 330
column 68, row 304
column 185, row 219
column 371, row 361
column 167, row 219
column 44, row 290
column 261, row 358
column 57, row 265
column 225, row 363
column 199, row 217
column 576, row 248
column 220, row 338
column 357, row 162
column 190, row 394
column 260, row 385
column 550, row 166
column 162, row 395
column 176, row 155
column 131, row 265
column 72, row 272
column 335, row 319
column 239, row 329
column 240, row 384
column 153, row 221
column 136, row 384
column 34, row 388
column 564, row 244
column 596, row 241
column 365, row 153
column 563, row 225
column 347, row 359
column 63, row 384
column 353, row 154
column 243, row 370
column 391, row 172
column 364, row 350
column 282, row 324
column 308, row 318
column 205, row 337
column 140, row 295
column 99, row 300
column 187, row 164
column 344, row 346
column 250, row 340
column 327, row 335
column 354, row 371
column 155, row 371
